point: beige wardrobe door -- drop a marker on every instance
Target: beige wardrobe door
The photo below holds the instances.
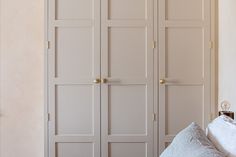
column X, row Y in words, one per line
column 73, row 65
column 184, row 66
column 127, row 70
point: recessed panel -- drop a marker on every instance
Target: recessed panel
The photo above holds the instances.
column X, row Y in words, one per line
column 127, row 150
column 74, row 109
column 127, row 9
column 127, row 109
column 184, row 9
column 74, row 150
column 74, row 52
column 127, row 52
column 74, row 9
column 184, row 53
column 184, row 104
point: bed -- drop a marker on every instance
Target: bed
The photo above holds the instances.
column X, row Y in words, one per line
column 219, row 140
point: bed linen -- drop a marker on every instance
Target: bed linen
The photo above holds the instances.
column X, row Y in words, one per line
column 222, row 133
column 191, row 142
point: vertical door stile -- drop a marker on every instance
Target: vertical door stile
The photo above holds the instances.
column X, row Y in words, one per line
column 162, row 74
column 155, row 77
column 207, row 62
column 104, row 75
column 51, row 74
column 150, row 76
column 97, row 74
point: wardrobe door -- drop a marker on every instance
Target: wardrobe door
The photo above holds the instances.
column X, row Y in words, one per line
column 184, row 66
column 73, row 65
column 127, row 78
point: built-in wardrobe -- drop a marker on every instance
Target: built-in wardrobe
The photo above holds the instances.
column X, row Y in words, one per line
column 123, row 77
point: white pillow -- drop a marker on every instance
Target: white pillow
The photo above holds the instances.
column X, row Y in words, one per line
column 222, row 133
column 191, row 142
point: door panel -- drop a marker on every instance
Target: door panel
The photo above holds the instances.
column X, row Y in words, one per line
column 127, row 64
column 74, row 150
column 74, row 9
column 74, row 111
column 184, row 90
column 184, row 9
column 127, row 150
column 74, row 48
column 123, row 119
column 126, row 44
column 126, row 9
column 182, row 102
column 73, row 64
column 184, row 57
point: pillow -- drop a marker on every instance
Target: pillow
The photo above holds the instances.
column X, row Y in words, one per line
column 191, row 142
column 222, row 133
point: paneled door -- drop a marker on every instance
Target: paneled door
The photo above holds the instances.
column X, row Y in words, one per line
column 128, row 82
column 73, row 78
column 100, row 78
column 184, row 96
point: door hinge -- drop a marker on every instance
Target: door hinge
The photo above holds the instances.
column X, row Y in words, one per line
column 154, row 44
column 47, row 45
column 154, row 116
column 211, row 44
column 48, row 117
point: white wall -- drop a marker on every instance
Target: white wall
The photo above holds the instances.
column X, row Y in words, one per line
column 21, row 127
column 227, row 51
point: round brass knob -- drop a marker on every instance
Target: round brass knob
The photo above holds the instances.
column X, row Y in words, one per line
column 162, row 81
column 97, row 81
column 104, row 80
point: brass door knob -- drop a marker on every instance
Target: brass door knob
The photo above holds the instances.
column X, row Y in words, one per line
column 162, row 81
column 104, row 80
column 97, row 81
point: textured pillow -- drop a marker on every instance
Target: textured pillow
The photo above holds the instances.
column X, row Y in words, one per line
column 191, row 142
column 222, row 133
